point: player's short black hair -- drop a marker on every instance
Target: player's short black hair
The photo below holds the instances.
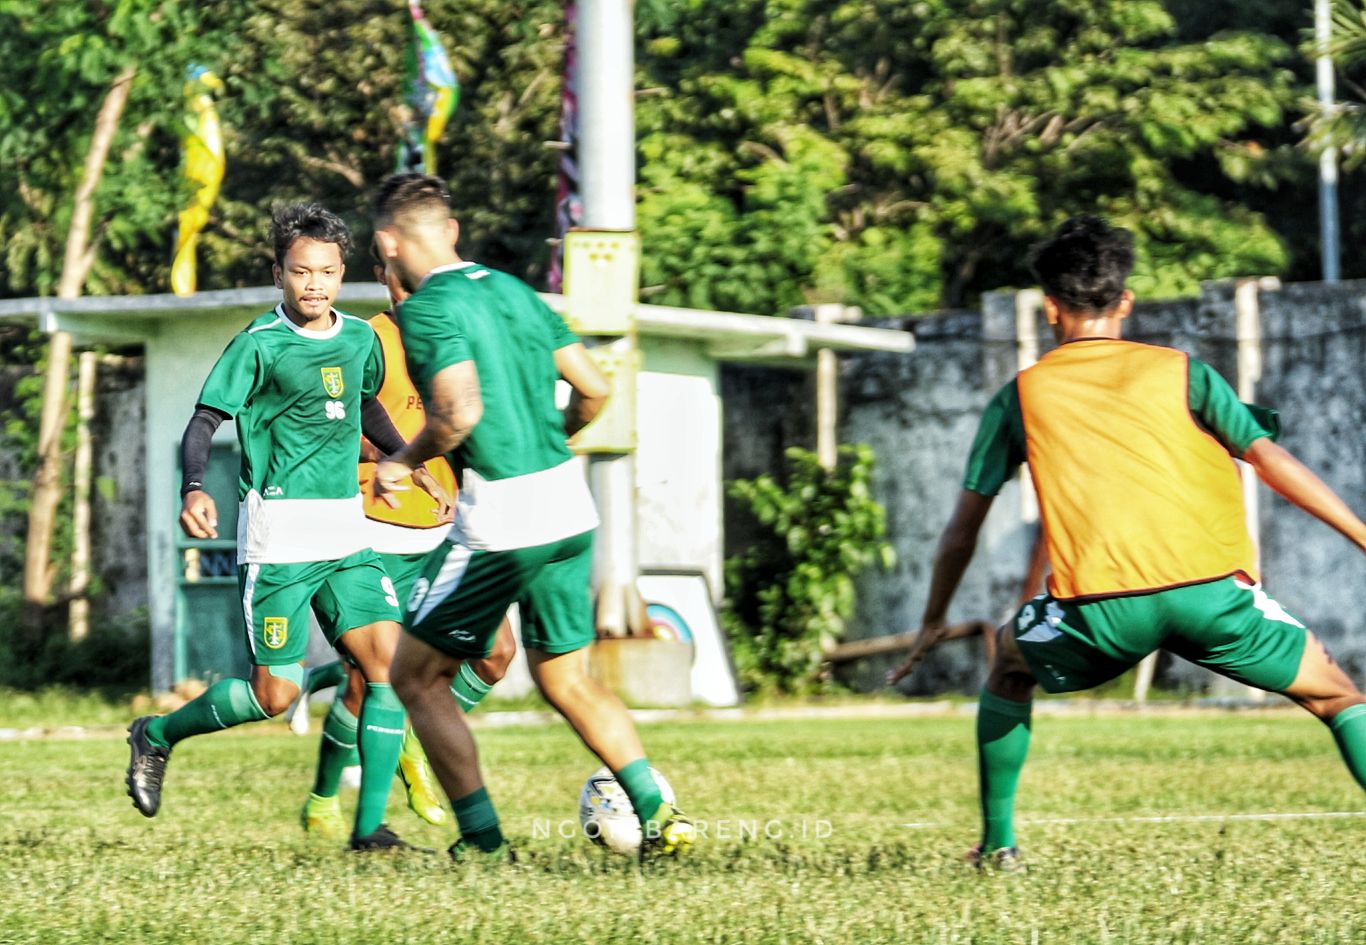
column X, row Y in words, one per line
column 1084, row 266
column 307, row 221
column 406, row 192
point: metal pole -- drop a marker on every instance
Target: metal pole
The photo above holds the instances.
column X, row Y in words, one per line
column 607, row 175
column 827, row 392
column 1328, row 159
column 78, row 621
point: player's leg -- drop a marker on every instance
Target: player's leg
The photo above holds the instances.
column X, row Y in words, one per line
column 1063, row 647
column 423, row 675
column 1323, row 689
column 274, row 601
column 358, row 610
column 557, row 627
column 1235, row 629
column 1003, row 732
column 453, row 615
column 337, row 751
column 472, row 683
column 381, row 722
column 414, row 770
column 476, row 677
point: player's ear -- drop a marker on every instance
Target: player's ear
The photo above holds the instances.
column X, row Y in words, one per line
column 1051, row 310
column 453, row 230
column 275, row 271
column 1125, row 306
column 388, row 244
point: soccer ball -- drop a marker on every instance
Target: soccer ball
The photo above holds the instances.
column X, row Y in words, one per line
column 606, row 814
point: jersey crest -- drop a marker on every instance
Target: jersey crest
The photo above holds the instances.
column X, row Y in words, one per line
column 276, row 631
column 332, row 381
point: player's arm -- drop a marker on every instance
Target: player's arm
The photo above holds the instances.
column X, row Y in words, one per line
column 454, row 407
column 198, row 514
column 997, row 451
column 589, row 387
column 951, row 559
column 1296, row 483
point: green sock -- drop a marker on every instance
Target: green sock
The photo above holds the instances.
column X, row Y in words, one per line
column 640, row 786
column 1002, row 744
column 324, row 677
column 226, row 703
column 338, row 748
column 1349, row 731
column 381, row 736
column 469, row 689
column 478, row 820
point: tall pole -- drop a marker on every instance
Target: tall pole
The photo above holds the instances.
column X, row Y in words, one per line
column 607, row 175
column 1328, row 159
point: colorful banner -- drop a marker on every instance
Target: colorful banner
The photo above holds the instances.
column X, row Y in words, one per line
column 430, row 91
column 203, row 166
column 568, row 202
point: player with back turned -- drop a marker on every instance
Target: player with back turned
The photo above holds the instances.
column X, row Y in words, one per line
column 1130, row 447
column 485, row 354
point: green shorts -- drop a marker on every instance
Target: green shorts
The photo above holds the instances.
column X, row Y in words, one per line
column 351, row 592
column 404, row 570
column 459, row 602
column 1226, row 625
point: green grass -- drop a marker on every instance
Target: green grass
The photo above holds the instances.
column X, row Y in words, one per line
column 225, row 862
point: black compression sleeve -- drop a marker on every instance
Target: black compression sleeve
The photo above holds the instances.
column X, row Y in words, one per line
column 194, row 447
column 379, row 429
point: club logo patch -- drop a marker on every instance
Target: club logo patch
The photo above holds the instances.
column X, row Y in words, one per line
column 332, row 381
column 276, row 631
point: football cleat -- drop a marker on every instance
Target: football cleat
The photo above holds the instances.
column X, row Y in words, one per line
column 1002, row 860
column 382, row 840
column 668, row 833
column 462, row 852
column 146, row 768
column 323, row 816
column 424, row 793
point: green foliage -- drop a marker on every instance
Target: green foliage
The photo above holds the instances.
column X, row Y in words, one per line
column 791, row 594
column 900, row 155
column 57, row 61
column 113, row 659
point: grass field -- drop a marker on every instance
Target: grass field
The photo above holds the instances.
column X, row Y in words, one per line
column 832, row 861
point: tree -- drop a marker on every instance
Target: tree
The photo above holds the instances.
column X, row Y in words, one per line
column 897, row 155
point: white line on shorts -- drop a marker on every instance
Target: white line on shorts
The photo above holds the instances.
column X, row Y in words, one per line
column 1169, row 819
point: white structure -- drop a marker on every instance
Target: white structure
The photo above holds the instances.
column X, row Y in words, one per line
column 678, row 462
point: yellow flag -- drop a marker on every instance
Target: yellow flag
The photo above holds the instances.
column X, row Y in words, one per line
column 203, row 167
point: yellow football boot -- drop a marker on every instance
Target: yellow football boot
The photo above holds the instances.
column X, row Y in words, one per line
column 424, row 793
column 322, row 816
column 668, row 833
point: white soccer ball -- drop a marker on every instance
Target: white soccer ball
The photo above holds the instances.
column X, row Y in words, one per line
column 606, row 814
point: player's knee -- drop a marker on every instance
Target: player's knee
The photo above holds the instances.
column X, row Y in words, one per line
column 274, row 695
column 494, row 667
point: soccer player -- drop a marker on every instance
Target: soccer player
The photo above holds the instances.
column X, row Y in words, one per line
column 485, row 354
column 402, row 535
column 1129, row 446
column 297, row 381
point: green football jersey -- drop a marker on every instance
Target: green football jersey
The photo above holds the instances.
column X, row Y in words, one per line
column 518, row 484
column 295, row 396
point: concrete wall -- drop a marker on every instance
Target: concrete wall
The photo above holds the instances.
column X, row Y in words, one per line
column 920, row 412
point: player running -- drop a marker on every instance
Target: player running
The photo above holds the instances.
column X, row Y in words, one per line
column 297, row 381
column 1129, row 448
column 402, row 535
column 485, row 354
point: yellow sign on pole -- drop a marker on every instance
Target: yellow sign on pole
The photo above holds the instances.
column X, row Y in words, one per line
column 601, row 273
